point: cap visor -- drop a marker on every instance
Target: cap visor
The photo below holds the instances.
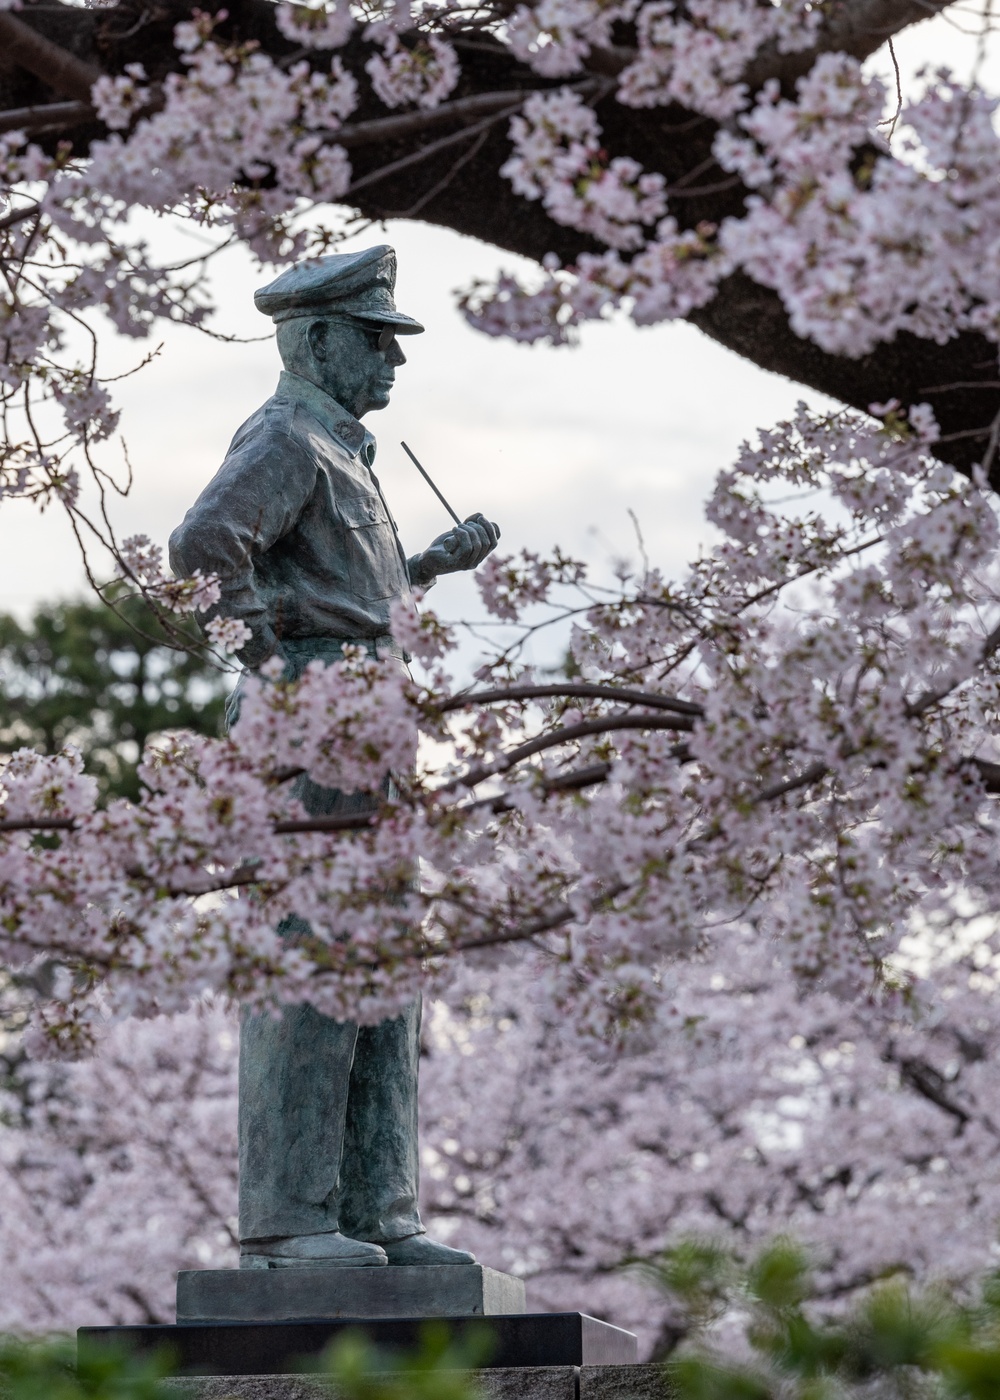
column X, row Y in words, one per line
column 403, row 325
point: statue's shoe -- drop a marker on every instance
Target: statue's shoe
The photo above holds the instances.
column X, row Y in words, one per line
column 328, row 1251
column 418, row 1249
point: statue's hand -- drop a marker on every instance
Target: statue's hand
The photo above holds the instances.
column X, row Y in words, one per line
column 465, row 546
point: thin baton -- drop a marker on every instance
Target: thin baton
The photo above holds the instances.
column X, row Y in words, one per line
column 430, row 483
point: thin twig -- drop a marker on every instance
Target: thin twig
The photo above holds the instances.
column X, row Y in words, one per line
column 425, row 152
column 931, row 697
column 899, row 89
column 382, row 129
column 805, row 779
column 446, row 179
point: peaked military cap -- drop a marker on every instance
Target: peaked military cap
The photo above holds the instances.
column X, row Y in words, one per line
column 355, row 285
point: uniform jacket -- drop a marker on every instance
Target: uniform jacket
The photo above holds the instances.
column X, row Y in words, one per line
column 296, row 527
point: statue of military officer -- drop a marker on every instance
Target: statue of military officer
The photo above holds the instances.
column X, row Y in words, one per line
column 297, row 528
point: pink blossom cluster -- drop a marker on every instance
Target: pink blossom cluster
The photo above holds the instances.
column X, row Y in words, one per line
column 229, row 634
column 423, row 73
column 675, row 273
column 867, row 1129
column 692, row 54
column 857, row 249
column 233, row 113
column 555, row 36
column 235, row 142
column 696, row 54
column 558, row 159
column 905, row 244
column 117, row 1171
column 118, row 100
column 504, row 306
column 798, row 732
column 860, row 244
column 141, row 562
column 325, row 26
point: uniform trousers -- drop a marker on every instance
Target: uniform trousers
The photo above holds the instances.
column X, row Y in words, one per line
column 327, row 1109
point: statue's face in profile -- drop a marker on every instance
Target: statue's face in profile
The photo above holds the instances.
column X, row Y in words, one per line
column 355, row 363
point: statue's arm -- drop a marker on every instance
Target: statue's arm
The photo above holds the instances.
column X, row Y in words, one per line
column 418, row 572
column 253, row 501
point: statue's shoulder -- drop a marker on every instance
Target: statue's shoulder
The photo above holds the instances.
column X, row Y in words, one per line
column 274, row 419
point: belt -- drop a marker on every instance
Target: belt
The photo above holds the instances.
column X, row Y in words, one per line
column 332, row 648
column 299, row 651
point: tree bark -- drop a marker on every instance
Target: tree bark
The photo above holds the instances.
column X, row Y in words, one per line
column 403, row 169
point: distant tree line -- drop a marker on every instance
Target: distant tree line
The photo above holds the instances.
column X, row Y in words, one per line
column 105, row 679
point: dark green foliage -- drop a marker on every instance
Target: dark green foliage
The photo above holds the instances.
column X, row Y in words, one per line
column 105, row 680
column 437, row 1370
column 895, row 1342
column 50, row 1369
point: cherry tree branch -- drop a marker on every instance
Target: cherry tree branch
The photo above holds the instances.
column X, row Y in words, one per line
column 571, row 690
column 546, row 923
column 929, row 698
column 47, row 116
column 565, row 735
column 474, row 199
column 56, row 66
column 855, row 27
column 382, row 129
column 425, row 153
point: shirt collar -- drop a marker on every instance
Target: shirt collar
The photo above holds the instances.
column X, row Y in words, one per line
column 352, row 435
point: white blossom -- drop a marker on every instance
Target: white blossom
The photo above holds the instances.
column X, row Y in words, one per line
column 229, row 634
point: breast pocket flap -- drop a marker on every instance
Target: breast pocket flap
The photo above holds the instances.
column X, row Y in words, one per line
column 358, row 511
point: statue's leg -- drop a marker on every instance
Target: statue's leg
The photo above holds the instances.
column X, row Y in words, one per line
column 328, row 1113
column 294, row 1072
column 380, row 1164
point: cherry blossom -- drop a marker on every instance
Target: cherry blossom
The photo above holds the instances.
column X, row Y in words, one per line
column 625, row 820
column 865, row 1129
column 118, row 1171
column 866, row 1133
column 424, row 74
column 555, row 36
column 860, row 241
column 697, row 58
column 228, row 633
column 316, row 26
column 779, row 769
column 558, row 159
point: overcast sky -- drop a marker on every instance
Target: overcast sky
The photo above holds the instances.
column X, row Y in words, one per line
column 556, row 445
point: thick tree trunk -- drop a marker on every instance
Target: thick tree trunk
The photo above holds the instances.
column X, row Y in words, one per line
column 406, row 166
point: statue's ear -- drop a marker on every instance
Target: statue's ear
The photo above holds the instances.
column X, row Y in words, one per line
column 316, row 337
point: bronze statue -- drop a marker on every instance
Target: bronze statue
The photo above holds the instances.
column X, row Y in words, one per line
column 297, row 528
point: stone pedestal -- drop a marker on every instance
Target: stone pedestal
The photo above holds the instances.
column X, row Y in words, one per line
column 277, row 1348
column 285, row 1295
column 522, row 1383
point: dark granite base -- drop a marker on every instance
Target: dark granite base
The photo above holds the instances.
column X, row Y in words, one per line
column 521, row 1383
column 273, row 1348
